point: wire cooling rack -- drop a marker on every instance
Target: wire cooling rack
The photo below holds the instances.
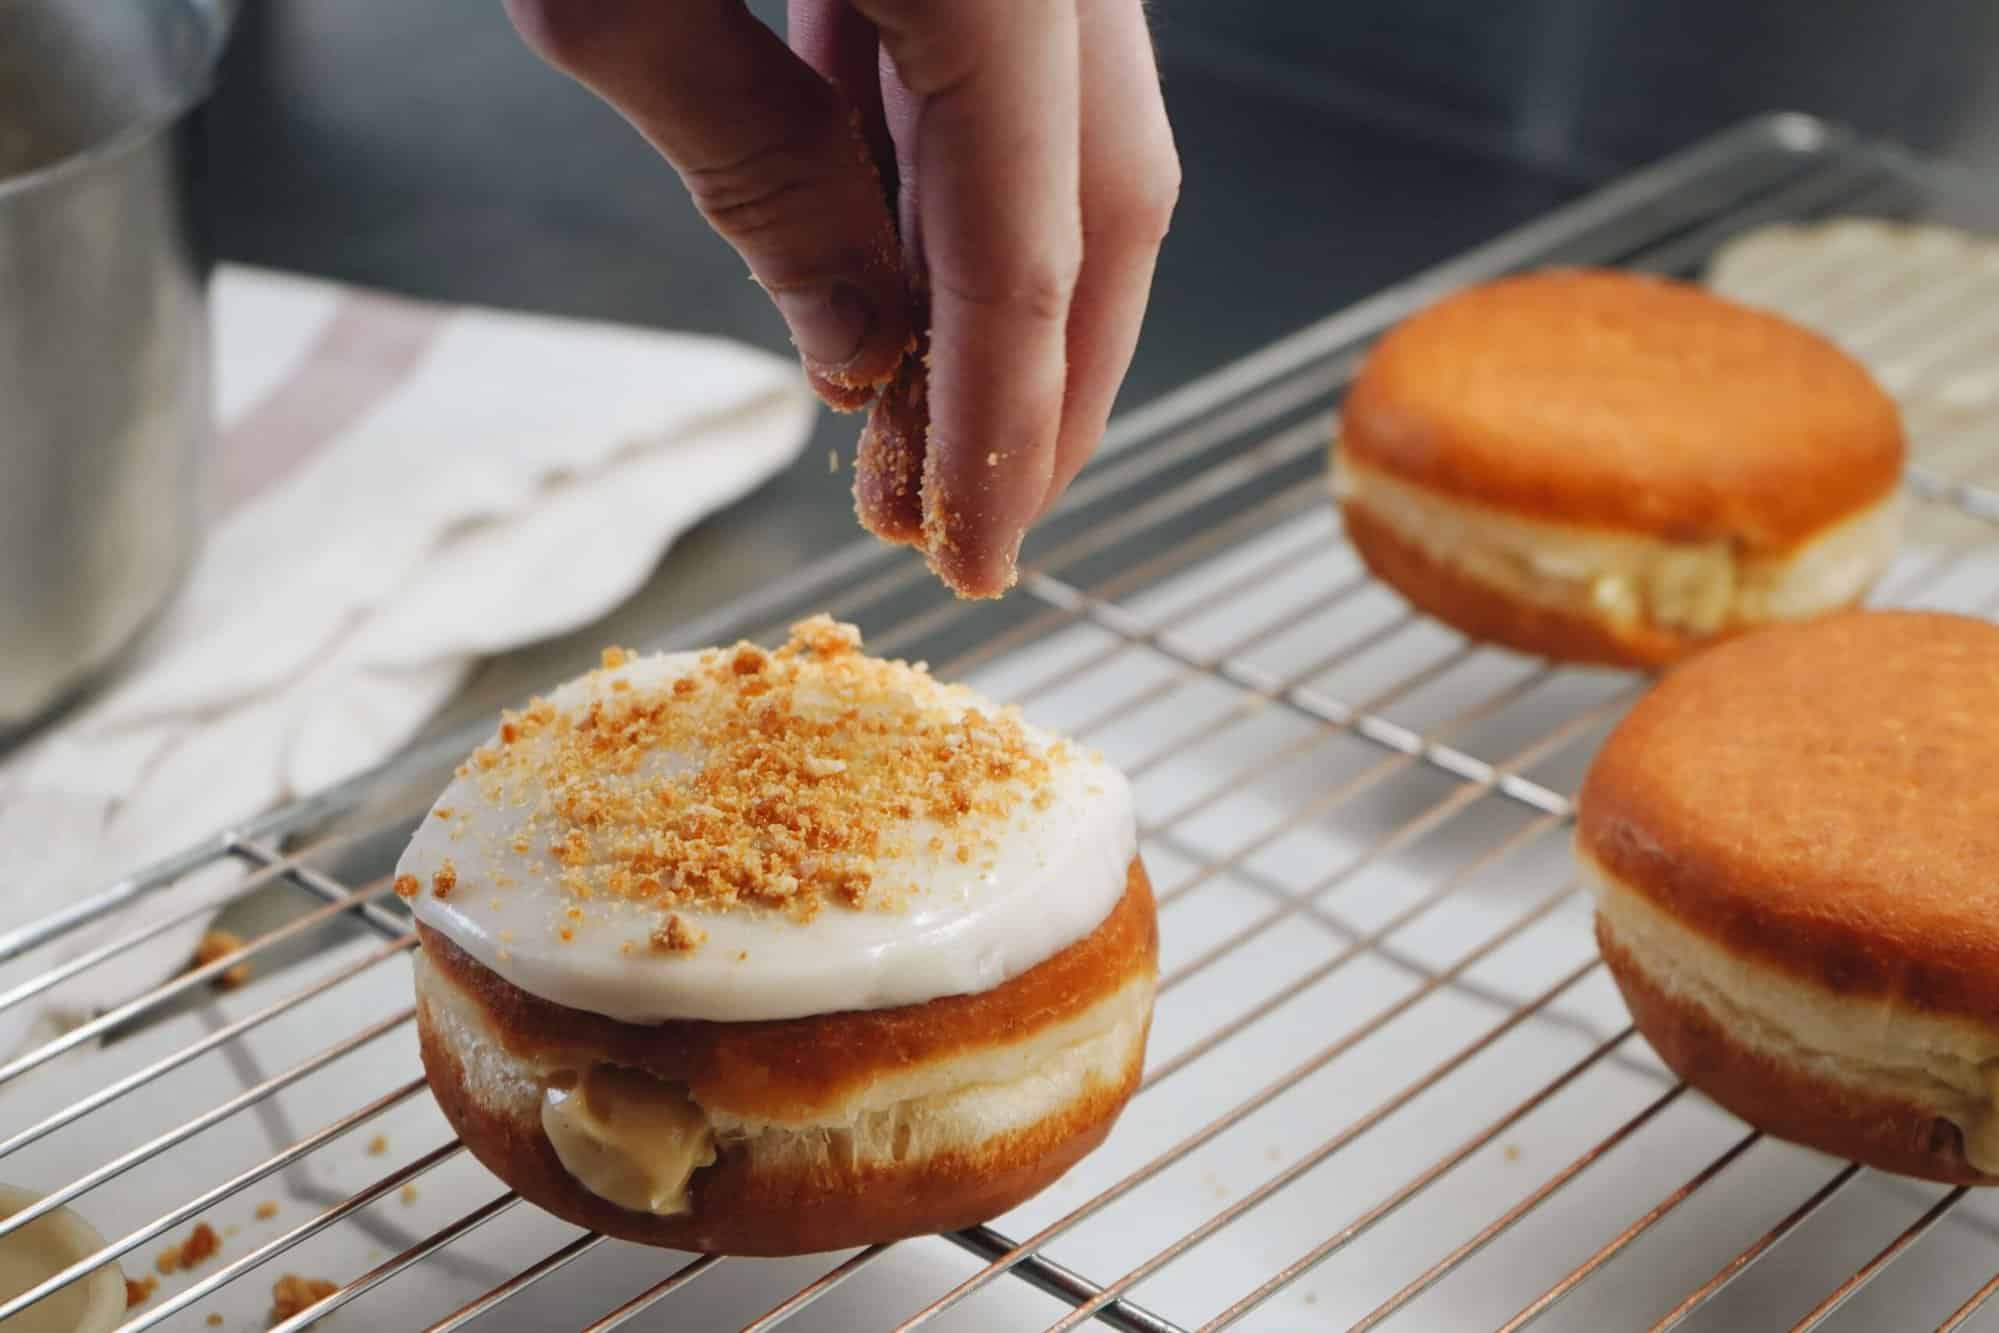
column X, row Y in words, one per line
column 1389, row 1082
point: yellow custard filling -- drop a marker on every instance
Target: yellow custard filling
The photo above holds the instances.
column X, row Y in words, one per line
column 1694, row 587
column 626, row 1136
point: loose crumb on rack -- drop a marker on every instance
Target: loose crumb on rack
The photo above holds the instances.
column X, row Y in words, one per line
column 407, row 886
column 220, row 944
column 266, row 1211
column 445, row 880
column 139, row 1290
column 409, row 1194
column 1512, row 1151
column 292, row 1294
column 832, row 460
column 200, row 1245
column 214, row 1321
column 378, row 1145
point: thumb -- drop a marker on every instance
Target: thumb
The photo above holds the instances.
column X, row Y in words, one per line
column 771, row 152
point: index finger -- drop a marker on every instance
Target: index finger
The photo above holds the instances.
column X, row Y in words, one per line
column 996, row 174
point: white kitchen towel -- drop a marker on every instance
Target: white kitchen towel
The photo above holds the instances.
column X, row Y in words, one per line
column 407, row 488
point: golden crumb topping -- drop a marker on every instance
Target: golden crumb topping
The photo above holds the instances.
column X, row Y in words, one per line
column 675, row 935
column 782, row 780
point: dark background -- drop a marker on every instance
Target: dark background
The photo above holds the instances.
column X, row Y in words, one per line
column 1328, row 148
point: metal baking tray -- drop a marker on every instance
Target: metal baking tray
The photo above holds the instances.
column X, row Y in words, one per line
column 1389, row 1082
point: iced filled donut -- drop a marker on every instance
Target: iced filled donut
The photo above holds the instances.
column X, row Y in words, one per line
column 769, row 952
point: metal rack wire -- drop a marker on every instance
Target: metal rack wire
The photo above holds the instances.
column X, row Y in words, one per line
column 1192, row 609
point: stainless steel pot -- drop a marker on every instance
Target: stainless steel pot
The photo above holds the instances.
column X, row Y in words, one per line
column 104, row 375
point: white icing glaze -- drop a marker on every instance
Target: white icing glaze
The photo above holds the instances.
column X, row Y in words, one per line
column 1053, row 875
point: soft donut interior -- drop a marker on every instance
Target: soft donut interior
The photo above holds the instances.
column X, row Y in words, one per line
column 1695, row 588
column 1872, row 1043
column 901, row 1115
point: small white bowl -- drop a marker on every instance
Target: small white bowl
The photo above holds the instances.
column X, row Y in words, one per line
column 46, row 1246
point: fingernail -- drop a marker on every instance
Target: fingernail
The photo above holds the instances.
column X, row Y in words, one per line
column 828, row 324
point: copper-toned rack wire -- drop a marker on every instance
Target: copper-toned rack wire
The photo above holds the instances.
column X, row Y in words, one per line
column 1193, row 479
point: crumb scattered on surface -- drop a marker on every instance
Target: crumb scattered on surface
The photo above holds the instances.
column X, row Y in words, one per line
column 675, row 935
column 291, row 1294
column 139, row 1290
column 409, row 1194
column 266, row 1211
column 200, row 1245
column 214, row 1321
column 231, row 1230
column 1311, row 1298
column 832, row 460
column 220, row 944
column 378, row 1145
column 407, row 886
column 807, row 765
column 1512, row 1151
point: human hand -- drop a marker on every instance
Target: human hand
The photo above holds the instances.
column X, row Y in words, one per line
column 1024, row 147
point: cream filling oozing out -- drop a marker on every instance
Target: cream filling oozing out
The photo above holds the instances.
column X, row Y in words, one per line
column 1948, row 1065
column 626, row 1136
column 1692, row 587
